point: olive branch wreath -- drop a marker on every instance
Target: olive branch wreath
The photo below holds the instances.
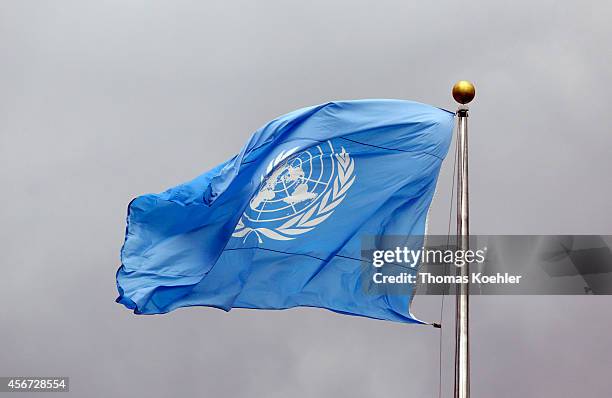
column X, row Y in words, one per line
column 318, row 213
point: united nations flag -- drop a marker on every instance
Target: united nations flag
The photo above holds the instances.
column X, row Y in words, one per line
column 280, row 224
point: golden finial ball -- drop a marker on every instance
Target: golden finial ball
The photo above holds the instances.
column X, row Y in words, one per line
column 463, row 92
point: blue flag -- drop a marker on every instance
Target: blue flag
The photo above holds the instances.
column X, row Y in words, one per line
column 280, row 224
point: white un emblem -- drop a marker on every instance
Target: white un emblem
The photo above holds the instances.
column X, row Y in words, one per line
column 299, row 192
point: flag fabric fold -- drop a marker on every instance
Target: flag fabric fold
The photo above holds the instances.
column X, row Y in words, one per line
column 280, row 224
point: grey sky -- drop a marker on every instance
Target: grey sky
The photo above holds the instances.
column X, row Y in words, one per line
column 103, row 101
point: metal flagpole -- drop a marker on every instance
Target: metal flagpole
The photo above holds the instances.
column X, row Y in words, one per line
column 463, row 93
